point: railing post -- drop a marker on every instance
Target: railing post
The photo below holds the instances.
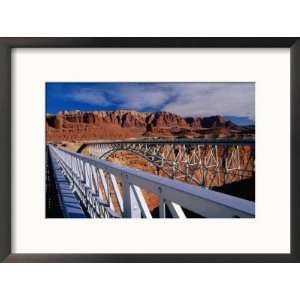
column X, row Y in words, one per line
column 162, row 203
column 131, row 207
column 162, row 208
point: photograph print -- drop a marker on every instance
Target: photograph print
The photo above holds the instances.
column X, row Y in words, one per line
column 150, row 150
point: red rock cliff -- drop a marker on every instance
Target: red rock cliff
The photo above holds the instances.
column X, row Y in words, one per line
column 68, row 126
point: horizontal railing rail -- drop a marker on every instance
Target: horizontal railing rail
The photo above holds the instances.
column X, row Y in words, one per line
column 108, row 190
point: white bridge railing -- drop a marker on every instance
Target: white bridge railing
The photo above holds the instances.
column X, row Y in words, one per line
column 109, row 190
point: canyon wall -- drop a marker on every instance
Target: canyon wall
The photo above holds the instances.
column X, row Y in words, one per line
column 123, row 124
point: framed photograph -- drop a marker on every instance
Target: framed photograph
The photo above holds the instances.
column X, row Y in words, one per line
column 149, row 149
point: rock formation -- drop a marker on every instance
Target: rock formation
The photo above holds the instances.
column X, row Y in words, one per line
column 122, row 124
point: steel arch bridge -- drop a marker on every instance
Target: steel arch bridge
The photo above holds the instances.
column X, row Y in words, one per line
column 207, row 163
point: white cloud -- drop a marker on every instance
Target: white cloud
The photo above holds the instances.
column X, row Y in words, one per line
column 143, row 96
column 206, row 99
column 185, row 99
column 90, row 96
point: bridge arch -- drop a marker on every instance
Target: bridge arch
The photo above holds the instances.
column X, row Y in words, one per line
column 170, row 166
column 113, row 150
column 156, row 164
column 206, row 163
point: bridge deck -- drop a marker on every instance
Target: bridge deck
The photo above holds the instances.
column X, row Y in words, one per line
column 216, row 141
column 70, row 205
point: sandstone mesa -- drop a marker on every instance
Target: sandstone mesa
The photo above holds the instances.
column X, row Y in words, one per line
column 124, row 124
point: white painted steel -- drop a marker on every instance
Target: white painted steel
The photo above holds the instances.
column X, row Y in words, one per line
column 98, row 182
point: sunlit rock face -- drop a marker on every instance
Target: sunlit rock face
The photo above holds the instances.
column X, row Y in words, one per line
column 122, row 124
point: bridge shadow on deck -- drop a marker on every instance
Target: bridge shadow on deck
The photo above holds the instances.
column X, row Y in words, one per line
column 53, row 209
column 61, row 201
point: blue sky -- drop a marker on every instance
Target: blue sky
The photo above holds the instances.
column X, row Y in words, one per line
column 235, row 101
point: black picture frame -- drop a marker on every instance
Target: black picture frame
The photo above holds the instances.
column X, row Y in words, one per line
column 7, row 44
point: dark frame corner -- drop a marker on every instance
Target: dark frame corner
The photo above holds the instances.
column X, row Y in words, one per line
column 7, row 44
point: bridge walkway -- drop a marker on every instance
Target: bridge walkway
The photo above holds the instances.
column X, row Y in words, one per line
column 69, row 204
